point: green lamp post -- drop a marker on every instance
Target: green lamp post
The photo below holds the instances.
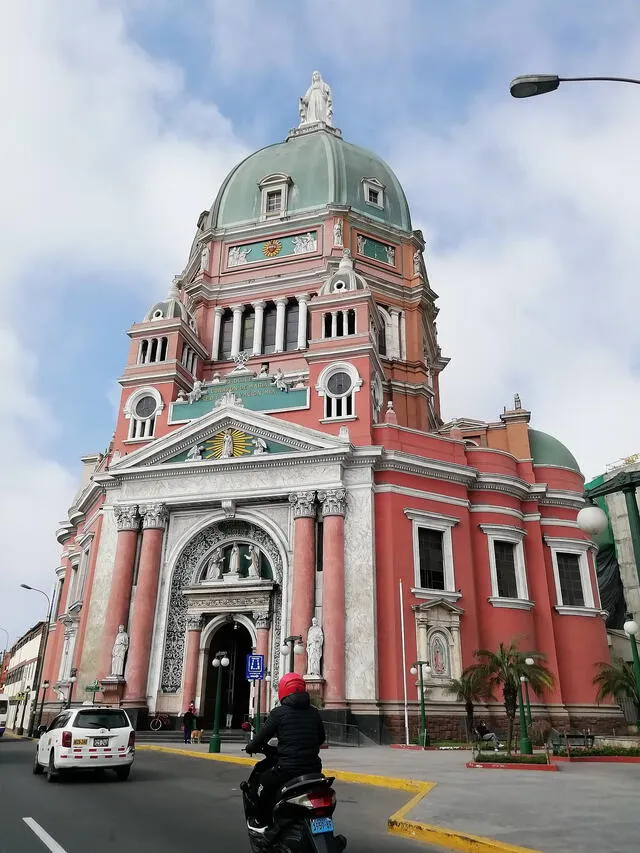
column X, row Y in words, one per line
column 526, row 747
column 630, row 628
column 292, row 646
column 419, row 668
column 525, row 681
column 220, row 662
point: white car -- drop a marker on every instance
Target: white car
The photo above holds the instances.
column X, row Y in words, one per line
column 87, row 738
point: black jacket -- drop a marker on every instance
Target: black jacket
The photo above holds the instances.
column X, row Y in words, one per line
column 300, row 732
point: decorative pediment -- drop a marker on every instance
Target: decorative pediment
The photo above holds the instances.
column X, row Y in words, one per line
column 437, row 604
column 228, row 433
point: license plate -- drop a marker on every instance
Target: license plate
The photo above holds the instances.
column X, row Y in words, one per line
column 101, row 741
column 320, row 825
column 80, row 741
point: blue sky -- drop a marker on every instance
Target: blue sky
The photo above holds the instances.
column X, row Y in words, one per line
column 121, row 119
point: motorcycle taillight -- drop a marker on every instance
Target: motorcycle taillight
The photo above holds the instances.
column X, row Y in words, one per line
column 322, row 800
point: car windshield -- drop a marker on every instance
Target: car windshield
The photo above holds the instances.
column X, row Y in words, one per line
column 101, row 720
column 3, row 706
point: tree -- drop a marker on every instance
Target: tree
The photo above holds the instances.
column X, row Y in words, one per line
column 504, row 667
column 617, row 680
column 471, row 688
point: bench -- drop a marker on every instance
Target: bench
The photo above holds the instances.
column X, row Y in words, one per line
column 566, row 740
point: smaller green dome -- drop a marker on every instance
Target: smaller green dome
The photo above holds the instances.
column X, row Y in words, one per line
column 547, row 450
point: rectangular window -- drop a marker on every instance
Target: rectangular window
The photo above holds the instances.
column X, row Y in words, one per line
column 274, row 201
column 431, row 551
column 226, row 335
column 248, row 323
column 269, row 329
column 291, row 326
column 373, row 196
column 570, row 580
column 506, row 569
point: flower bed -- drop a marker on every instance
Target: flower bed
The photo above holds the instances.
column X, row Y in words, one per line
column 613, row 754
column 501, row 761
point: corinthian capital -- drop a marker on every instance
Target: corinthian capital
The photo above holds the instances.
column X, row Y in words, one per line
column 303, row 504
column 262, row 620
column 127, row 517
column 194, row 622
column 153, row 516
column 333, row 501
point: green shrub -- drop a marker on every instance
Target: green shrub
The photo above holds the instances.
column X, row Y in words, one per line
column 503, row 758
column 594, row 752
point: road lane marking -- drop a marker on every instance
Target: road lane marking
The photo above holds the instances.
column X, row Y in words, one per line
column 49, row 842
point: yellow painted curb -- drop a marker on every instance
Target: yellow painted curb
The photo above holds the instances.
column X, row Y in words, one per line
column 398, row 823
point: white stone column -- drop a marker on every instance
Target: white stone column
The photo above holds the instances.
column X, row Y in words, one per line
column 303, row 300
column 217, row 321
column 281, row 305
column 258, row 307
column 395, row 333
column 334, row 324
column 403, row 336
column 236, row 331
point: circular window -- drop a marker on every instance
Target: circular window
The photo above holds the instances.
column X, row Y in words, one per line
column 157, row 315
column 339, row 384
column 145, row 407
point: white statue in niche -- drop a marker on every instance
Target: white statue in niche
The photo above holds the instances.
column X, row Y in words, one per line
column 234, row 560
column 119, row 652
column 315, row 642
column 279, row 381
column 391, row 255
column 238, row 255
column 317, row 103
column 259, row 445
column 304, row 243
column 417, row 262
column 253, row 557
column 227, row 445
column 204, row 259
column 337, row 232
column 214, row 569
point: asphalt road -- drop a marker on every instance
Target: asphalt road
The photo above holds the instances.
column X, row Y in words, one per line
column 169, row 805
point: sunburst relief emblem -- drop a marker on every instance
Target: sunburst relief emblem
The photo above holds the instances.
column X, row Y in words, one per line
column 272, row 248
column 227, row 444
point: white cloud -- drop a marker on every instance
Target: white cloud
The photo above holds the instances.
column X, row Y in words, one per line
column 105, row 164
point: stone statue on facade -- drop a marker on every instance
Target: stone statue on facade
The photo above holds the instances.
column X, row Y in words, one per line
column 417, row 262
column 214, row 569
column 227, row 445
column 315, row 642
column 337, row 232
column 253, row 557
column 195, row 454
column 234, row 560
column 238, row 255
column 204, row 259
column 317, row 104
column 259, row 445
column 279, row 381
column 119, row 652
column 196, row 393
column 304, row 243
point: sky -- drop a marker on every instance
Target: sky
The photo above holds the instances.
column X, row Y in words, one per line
column 122, row 117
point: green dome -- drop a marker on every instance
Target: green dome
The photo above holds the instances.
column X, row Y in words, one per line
column 323, row 169
column 547, row 450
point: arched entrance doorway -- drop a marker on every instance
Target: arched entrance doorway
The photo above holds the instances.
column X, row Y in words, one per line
column 233, row 638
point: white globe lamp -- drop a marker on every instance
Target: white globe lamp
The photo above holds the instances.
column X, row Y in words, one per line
column 592, row 520
column 630, row 628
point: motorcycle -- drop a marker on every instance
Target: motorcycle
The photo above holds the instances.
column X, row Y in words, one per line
column 302, row 820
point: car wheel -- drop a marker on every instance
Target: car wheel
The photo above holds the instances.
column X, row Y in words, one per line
column 52, row 773
column 37, row 767
column 122, row 773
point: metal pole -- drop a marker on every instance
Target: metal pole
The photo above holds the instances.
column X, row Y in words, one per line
column 214, row 741
column 526, row 747
column 258, row 708
column 291, row 655
column 633, row 514
column 636, row 670
column 24, row 708
column 526, row 693
column 44, row 690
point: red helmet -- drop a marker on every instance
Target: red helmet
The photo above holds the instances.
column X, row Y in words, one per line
column 290, row 683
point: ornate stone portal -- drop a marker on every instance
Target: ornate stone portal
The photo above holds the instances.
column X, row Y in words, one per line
column 189, row 598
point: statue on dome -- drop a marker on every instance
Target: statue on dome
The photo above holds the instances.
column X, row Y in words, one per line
column 317, row 104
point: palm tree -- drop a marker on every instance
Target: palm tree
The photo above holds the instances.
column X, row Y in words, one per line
column 504, row 667
column 617, row 680
column 471, row 688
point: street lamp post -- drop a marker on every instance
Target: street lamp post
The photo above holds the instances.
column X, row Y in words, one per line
column 529, row 85
column 526, row 747
column 292, row 646
column 45, row 684
column 418, row 668
column 72, row 680
column 42, row 652
column 525, row 681
column 220, row 662
column 258, row 719
column 630, row 628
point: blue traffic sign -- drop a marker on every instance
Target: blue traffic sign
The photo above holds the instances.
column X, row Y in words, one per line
column 255, row 667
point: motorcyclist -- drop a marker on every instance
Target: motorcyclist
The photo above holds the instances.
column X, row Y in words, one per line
column 300, row 732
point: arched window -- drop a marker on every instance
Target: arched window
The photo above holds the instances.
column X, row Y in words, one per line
column 269, row 331
column 142, row 353
column 226, row 332
column 291, row 325
column 327, row 325
column 163, row 349
column 351, row 321
column 248, row 324
column 154, row 350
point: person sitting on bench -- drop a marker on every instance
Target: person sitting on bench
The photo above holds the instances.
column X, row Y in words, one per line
column 486, row 736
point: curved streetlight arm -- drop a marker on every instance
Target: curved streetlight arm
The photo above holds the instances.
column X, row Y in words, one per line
column 607, row 79
column 41, row 657
column 529, row 85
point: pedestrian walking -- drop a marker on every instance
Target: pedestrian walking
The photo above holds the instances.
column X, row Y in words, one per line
column 188, row 723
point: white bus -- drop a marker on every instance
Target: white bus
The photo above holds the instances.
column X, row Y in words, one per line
column 4, row 710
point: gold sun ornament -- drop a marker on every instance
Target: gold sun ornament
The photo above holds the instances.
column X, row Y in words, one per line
column 272, row 248
column 216, row 447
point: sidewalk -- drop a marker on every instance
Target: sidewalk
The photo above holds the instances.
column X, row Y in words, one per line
column 585, row 808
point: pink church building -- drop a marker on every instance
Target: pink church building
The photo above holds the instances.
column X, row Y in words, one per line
column 279, row 456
